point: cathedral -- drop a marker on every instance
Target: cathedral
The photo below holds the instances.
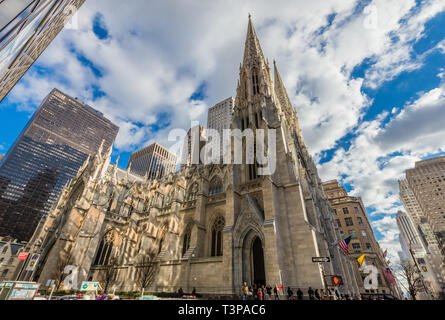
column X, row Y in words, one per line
column 210, row 227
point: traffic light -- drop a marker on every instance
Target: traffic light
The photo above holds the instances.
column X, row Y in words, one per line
column 337, row 281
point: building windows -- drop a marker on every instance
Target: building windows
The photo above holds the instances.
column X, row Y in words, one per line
column 349, row 222
column 345, row 210
column 337, row 221
column 217, row 229
column 368, row 246
column 356, row 210
column 364, row 234
column 356, row 247
column 360, row 221
column 186, row 241
column 216, row 186
column 105, row 252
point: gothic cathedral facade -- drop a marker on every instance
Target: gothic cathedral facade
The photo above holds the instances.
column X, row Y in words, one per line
column 209, row 227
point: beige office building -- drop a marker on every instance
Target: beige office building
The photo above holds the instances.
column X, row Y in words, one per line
column 154, row 162
column 427, row 183
column 220, row 119
column 352, row 220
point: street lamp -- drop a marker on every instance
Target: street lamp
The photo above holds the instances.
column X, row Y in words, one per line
column 417, row 265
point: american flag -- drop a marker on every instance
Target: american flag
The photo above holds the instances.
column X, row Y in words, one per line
column 344, row 245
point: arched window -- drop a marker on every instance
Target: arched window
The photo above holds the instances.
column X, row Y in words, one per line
column 193, row 192
column 256, row 83
column 186, row 240
column 105, row 252
column 217, row 229
column 162, row 237
column 216, row 186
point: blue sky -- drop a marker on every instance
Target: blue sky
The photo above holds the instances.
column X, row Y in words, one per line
column 366, row 78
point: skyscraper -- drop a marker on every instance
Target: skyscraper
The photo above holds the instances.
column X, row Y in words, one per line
column 27, row 27
column 220, row 119
column 411, row 242
column 427, row 181
column 352, row 220
column 154, row 161
column 414, row 251
column 58, row 139
column 422, row 194
column 414, row 211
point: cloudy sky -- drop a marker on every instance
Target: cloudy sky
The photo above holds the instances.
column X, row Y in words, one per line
column 366, row 77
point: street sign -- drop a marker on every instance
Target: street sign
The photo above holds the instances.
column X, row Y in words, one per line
column 23, row 256
column 89, row 286
column 321, row 259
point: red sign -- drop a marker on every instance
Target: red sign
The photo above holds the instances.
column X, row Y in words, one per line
column 23, row 256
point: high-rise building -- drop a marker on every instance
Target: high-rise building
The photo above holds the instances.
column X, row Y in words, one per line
column 57, row 140
column 220, row 119
column 194, row 143
column 352, row 220
column 423, row 259
column 411, row 242
column 154, row 162
column 414, row 211
column 423, row 197
column 27, row 27
column 427, row 181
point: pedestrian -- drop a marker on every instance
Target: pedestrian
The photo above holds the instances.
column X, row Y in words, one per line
column 275, row 292
column 317, row 295
column 269, row 292
column 290, row 293
column 311, row 293
column 180, row 292
column 194, row 292
column 299, row 294
column 245, row 291
column 260, row 294
column 337, row 294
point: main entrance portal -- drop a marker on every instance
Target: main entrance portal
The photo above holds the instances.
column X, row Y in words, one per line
column 259, row 272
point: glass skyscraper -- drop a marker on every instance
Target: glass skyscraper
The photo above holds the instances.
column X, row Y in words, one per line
column 154, row 161
column 58, row 139
column 27, row 27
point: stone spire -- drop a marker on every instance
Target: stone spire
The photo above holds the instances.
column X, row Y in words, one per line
column 254, row 72
column 281, row 92
column 252, row 52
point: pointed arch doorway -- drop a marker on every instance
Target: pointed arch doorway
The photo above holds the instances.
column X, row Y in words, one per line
column 257, row 262
column 253, row 260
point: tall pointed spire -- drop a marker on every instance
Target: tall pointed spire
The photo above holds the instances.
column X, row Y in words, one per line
column 281, row 92
column 252, row 51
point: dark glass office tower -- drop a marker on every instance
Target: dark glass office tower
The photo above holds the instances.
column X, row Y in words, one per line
column 47, row 154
